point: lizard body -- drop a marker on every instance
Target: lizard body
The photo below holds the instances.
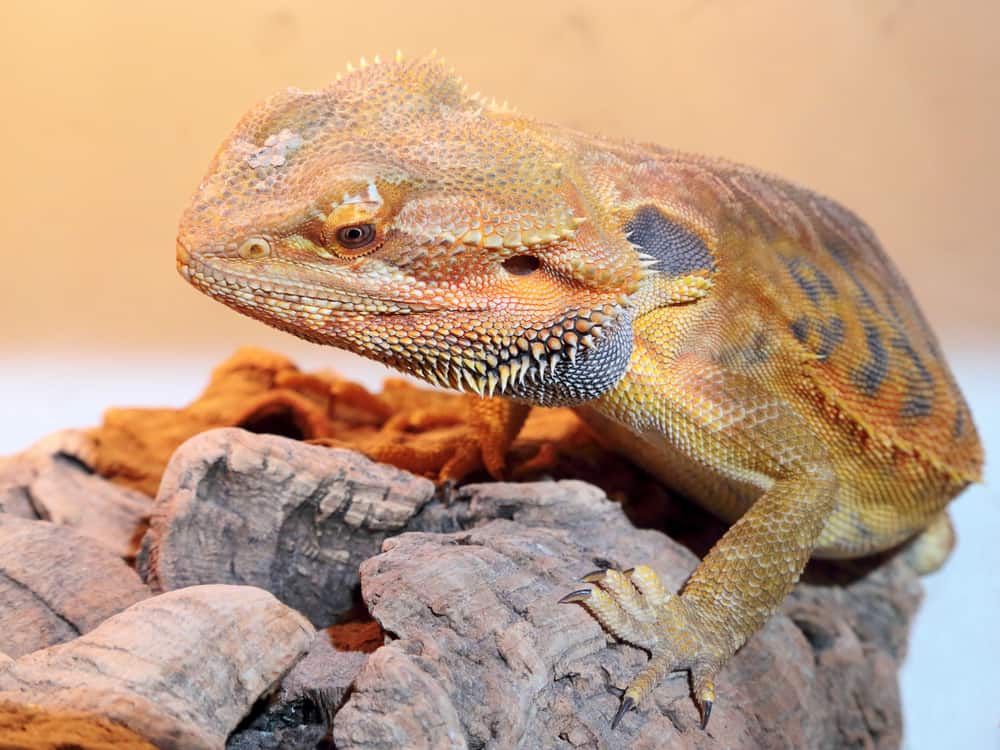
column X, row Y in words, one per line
column 744, row 339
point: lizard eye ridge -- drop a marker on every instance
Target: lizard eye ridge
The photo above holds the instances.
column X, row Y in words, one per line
column 356, row 236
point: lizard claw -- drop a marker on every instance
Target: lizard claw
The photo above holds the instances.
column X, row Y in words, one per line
column 634, row 606
column 575, row 596
column 705, row 695
column 706, row 711
column 627, row 705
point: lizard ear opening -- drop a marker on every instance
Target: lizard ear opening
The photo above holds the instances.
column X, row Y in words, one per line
column 522, row 265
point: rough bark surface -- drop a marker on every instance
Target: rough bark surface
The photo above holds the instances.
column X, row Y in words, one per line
column 180, row 669
column 484, row 656
column 477, row 654
column 261, row 510
column 53, row 481
column 301, row 712
column 56, row 583
column 322, row 677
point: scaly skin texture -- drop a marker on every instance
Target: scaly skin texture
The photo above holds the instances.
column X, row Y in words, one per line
column 742, row 338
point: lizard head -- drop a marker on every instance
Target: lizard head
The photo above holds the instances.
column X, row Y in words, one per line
column 394, row 215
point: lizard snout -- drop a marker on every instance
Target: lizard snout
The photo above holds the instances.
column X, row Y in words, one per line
column 183, row 256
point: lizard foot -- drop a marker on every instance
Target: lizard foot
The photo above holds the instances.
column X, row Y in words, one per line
column 634, row 606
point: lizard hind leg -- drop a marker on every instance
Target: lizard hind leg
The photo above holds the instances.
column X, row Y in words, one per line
column 928, row 551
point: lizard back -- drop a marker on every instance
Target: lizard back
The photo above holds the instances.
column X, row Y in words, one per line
column 869, row 351
column 868, row 355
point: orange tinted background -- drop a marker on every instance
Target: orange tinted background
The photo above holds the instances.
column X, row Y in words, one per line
column 111, row 112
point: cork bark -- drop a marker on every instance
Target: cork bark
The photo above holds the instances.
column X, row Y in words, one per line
column 440, row 609
column 180, row 669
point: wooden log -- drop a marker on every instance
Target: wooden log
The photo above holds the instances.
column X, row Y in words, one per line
column 180, row 669
column 52, row 481
column 56, row 583
column 300, row 712
column 484, row 656
column 113, row 516
column 18, row 471
column 322, row 677
column 477, row 651
column 263, row 510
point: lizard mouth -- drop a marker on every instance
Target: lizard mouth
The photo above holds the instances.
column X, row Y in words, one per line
column 223, row 281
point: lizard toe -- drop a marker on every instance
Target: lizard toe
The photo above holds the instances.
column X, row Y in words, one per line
column 635, row 607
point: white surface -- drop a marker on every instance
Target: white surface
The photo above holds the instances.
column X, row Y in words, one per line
column 951, row 697
column 950, row 694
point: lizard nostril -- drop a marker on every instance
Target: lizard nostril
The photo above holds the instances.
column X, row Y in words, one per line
column 522, row 265
column 253, row 248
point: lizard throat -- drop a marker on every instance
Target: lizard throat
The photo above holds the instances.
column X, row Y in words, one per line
column 574, row 360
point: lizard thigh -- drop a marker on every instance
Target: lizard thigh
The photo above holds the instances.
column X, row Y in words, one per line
column 928, row 550
column 882, row 502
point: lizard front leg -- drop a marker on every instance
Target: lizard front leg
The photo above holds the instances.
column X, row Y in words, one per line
column 732, row 428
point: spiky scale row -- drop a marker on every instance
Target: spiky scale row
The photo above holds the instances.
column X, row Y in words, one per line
column 528, row 358
column 502, row 108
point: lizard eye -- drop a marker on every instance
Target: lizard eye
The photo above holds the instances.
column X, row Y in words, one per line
column 356, row 236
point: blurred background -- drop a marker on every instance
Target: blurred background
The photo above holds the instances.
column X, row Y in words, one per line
column 111, row 112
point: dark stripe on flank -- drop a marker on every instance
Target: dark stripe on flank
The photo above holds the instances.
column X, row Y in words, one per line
column 870, row 375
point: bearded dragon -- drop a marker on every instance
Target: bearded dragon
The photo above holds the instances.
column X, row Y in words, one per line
column 744, row 339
